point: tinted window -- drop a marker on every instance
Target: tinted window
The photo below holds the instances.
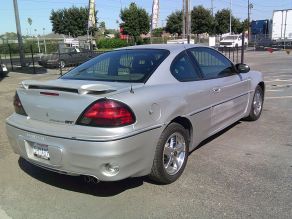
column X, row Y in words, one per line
column 134, row 65
column 182, row 68
column 212, row 63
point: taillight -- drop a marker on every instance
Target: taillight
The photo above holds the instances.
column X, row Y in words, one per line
column 107, row 113
column 18, row 106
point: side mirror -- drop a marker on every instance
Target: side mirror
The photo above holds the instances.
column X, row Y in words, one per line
column 242, row 68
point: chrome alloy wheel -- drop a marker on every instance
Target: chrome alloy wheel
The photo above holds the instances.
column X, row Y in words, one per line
column 257, row 102
column 62, row 64
column 174, row 153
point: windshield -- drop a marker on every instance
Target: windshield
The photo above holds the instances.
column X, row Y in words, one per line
column 230, row 38
column 134, row 65
column 67, row 49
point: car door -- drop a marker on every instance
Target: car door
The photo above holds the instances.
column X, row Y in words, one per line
column 193, row 91
column 228, row 90
column 83, row 55
column 76, row 55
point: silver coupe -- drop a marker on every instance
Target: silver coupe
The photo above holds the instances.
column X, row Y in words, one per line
column 132, row 112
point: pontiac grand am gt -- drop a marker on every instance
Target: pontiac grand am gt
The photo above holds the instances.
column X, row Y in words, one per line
column 132, row 112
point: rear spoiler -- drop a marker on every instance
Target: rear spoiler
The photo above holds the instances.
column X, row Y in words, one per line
column 72, row 88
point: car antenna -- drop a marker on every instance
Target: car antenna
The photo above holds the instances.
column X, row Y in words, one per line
column 131, row 88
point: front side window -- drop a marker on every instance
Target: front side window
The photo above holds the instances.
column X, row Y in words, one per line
column 183, row 70
column 212, row 63
column 134, row 65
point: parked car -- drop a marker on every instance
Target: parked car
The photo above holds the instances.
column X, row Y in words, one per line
column 233, row 41
column 132, row 112
column 3, row 70
column 69, row 56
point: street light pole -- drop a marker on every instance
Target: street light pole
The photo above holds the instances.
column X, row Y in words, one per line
column 45, row 40
column 19, row 36
column 38, row 40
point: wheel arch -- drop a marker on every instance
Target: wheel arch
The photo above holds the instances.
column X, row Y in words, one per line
column 186, row 123
column 262, row 85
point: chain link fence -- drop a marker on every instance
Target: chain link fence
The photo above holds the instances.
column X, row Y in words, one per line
column 59, row 57
column 63, row 58
column 263, row 41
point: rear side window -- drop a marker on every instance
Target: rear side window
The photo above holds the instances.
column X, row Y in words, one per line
column 183, row 69
column 134, row 65
column 212, row 63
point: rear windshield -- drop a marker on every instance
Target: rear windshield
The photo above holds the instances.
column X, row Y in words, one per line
column 133, row 65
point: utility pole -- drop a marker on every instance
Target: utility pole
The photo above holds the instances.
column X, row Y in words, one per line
column 184, row 20
column 230, row 18
column 155, row 14
column 248, row 20
column 187, row 20
column 19, row 36
column 212, row 7
column 249, row 7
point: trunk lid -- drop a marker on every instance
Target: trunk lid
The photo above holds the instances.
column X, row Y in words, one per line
column 62, row 101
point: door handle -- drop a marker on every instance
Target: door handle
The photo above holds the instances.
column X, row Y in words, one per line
column 216, row 90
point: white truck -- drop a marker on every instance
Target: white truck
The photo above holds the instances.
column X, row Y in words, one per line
column 233, row 41
column 282, row 27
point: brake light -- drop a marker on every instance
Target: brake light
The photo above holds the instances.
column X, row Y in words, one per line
column 107, row 113
column 18, row 105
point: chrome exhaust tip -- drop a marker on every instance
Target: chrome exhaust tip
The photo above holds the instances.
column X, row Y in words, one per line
column 91, row 179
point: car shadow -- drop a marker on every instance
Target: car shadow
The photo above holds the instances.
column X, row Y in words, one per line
column 3, row 75
column 30, row 70
column 211, row 138
column 77, row 183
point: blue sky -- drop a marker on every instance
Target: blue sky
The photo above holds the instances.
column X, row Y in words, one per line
column 108, row 10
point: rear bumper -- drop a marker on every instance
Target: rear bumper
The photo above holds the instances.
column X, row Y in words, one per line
column 132, row 156
column 229, row 46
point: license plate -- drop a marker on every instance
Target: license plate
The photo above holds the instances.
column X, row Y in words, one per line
column 41, row 151
column 4, row 68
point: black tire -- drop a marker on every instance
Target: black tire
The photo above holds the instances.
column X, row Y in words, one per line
column 159, row 173
column 254, row 114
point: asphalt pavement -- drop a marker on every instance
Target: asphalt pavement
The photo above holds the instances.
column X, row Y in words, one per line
column 244, row 171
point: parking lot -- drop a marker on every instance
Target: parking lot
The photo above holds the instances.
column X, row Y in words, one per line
column 244, row 171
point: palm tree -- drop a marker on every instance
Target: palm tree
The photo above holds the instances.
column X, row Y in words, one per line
column 29, row 21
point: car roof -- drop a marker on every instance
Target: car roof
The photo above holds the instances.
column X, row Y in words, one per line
column 171, row 47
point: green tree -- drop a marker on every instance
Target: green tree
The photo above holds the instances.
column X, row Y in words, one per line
column 202, row 20
column 102, row 28
column 222, row 21
column 157, row 32
column 71, row 21
column 135, row 21
column 244, row 25
column 29, row 21
column 9, row 36
column 174, row 23
column 102, row 25
column 236, row 25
